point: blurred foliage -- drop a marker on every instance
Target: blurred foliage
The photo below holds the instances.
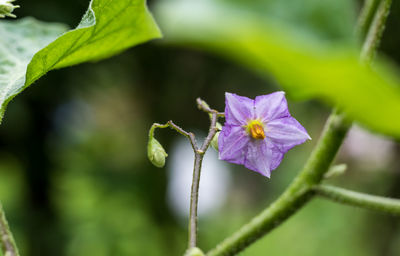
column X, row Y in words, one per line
column 75, row 180
column 306, row 62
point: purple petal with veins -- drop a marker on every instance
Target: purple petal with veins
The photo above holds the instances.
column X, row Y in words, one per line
column 262, row 157
column 271, row 106
column 257, row 133
column 286, row 133
column 232, row 144
column 238, row 109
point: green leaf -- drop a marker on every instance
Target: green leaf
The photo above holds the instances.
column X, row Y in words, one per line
column 306, row 64
column 20, row 41
column 29, row 48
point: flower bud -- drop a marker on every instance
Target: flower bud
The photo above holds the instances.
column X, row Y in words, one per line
column 156, row 153
column 214, row 141
column 194, row 252
column 6, row 8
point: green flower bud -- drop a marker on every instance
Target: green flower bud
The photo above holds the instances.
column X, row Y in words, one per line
column 214, row 141
column 6, row 8
column 194, row 252
column 156, row 153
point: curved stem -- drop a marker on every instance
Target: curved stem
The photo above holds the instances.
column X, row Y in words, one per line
column 202, row 105
column 7, row 240
column 301, row 190
column 175, row 127
column 296, row 195
column 344, row 196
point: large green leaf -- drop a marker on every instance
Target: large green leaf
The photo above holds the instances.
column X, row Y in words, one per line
column 20, row 41
column 307, row 64
column 29, row 49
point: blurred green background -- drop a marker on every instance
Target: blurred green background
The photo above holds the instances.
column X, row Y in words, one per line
column 75, row 180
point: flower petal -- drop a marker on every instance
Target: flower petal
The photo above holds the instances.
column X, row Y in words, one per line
column 238, row 109
column 232, row 144
column 263, row 157
column 285, row 133
column 271, row 106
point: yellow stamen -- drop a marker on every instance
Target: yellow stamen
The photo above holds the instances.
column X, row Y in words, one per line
column 256, row 130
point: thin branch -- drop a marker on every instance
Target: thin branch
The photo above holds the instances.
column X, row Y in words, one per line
column 175, row 127
column 202, row 105
column 198, row 159
column 188, row 135
column 211, row 133
column 8, row 245
column 194, row 198
column 344, row 196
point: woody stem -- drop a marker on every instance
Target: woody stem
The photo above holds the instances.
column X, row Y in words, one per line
column 198, row 159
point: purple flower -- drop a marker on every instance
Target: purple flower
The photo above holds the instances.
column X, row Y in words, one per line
column 257, row 133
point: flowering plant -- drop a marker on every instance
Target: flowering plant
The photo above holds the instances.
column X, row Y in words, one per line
column 256, row 133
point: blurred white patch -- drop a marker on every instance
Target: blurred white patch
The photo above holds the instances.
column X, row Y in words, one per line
column 214, row 182
column 371, row 151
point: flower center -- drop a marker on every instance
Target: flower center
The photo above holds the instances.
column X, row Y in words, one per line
column 255, row 129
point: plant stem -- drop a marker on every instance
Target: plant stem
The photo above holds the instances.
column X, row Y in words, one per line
column 211, row 133
column 198, row 159
column 7, row 240
column 344, row 196
column 366, row 16
column 194, row 197
column 300, row 191
column 175, row 127
column 296, row 195
column 375, row 32
column 202, row 105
